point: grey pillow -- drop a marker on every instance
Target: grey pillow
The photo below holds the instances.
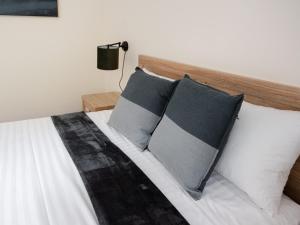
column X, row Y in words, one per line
column 193, row 131
column 141, row 106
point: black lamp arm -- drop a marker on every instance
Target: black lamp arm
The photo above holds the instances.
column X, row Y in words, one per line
column 123, row 45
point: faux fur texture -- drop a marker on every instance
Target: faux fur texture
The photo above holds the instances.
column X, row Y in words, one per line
column 120, row 192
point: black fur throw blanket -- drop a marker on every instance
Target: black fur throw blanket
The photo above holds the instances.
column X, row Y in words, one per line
column 120, row 192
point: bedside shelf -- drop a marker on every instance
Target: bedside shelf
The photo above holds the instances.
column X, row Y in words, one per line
column 100, row 101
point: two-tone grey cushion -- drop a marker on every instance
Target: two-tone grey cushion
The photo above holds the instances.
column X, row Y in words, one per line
column 193, row 131
column 141, row 106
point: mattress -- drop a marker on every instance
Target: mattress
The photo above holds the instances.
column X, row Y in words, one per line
column 40, row 185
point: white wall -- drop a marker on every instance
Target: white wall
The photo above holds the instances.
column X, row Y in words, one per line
column 46, row 64
column 258, row 38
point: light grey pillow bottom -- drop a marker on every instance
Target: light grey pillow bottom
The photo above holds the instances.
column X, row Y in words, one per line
column 187, row 163
column 133, row 121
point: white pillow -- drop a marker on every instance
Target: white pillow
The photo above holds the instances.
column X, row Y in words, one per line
column 156, row 75
column 263, row 147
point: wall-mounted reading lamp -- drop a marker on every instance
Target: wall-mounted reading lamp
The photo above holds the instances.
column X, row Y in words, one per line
column 108, row 57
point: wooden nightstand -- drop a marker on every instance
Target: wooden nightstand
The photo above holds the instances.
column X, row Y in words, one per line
column 100, row 101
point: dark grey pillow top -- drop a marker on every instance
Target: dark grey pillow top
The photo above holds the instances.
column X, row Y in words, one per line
column 141, row 106
column 193, row 132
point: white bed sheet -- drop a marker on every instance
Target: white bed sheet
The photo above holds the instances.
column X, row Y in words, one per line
column 40, row 185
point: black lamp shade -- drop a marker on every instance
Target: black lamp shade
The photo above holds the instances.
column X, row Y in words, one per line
column 108, row 57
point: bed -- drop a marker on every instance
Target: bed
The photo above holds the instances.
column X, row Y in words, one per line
column 41, row 185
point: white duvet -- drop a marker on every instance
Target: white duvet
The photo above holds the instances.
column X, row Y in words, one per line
column 40, row 185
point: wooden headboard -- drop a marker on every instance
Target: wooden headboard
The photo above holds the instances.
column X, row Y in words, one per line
column 256, row 91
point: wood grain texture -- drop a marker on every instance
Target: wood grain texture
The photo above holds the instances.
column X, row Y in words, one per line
column 256, row 91
column 100, row 101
